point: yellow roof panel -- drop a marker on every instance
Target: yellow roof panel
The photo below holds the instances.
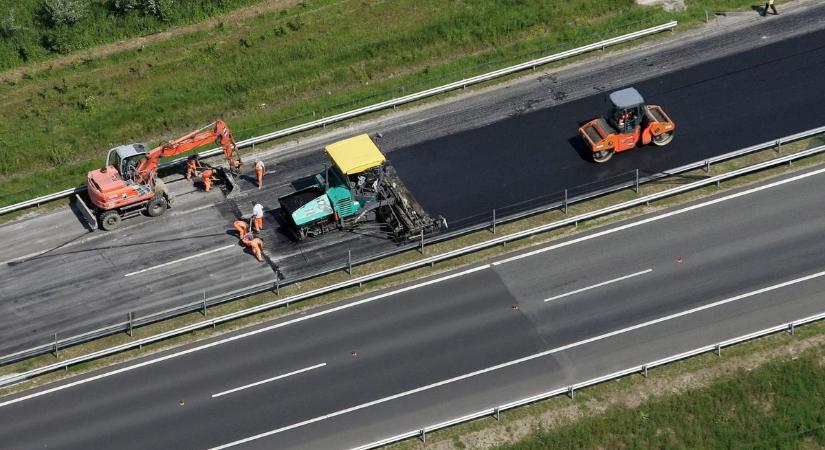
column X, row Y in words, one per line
column 355, row 154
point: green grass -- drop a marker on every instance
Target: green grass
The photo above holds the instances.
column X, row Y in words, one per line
column 776, row 406
column 279, row 69
column 28, row 35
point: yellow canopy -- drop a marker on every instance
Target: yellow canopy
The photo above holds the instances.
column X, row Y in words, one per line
column 355, row 155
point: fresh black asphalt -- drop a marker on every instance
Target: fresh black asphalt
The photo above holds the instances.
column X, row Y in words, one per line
column 718, row 106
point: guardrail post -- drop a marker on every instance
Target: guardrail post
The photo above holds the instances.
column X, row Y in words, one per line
column 423, row 435
column 349, row 262
column 422, row 241
column 718, row 350
column 778, row 147
column 56, row 347
column 497, row 414
column 571, row 392
column 644, row 370
column 707, row 167
column 203, row 304
column 791, row 328
column 565, row 201
column 636, row 188
column 131, row 324
column 494, row 221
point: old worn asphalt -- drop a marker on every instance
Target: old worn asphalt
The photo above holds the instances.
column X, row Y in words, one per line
column 368, row 368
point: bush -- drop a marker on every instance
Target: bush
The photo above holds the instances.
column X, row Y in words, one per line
column 161, row 9
column 58, row 13
column 8, row 25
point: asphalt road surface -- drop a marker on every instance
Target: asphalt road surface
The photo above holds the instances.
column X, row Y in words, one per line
column 486, row 334
column 461, row 159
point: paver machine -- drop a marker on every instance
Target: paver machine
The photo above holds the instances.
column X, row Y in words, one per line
column 127, row 185
column 629, row 123
column 359, row 187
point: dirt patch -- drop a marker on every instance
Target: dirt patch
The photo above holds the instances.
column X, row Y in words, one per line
column 138, row 42
column 630, row 397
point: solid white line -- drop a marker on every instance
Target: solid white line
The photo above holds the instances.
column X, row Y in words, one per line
column 180, row 260
column 603, row 283
column 659, row 217
column 258, row 383
column 243, row 335
column 520, row 360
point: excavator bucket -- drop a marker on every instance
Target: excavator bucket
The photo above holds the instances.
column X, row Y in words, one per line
column 231, row 188
column 86, row 212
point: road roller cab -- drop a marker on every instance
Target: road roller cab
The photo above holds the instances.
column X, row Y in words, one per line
column 629, row 122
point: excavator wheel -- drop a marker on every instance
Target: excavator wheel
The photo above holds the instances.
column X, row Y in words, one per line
column 110, row 220
column 602, row 156
column 156, row 206
column 663, row 139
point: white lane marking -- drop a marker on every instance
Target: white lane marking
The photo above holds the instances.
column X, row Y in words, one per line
column 258, row 383
column 214, row 250
column 520, row 360
column 243, row 335
column 603, row 283
column 659, row 217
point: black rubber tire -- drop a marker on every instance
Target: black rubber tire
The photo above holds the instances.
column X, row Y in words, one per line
column 603, row 156
column 662, row 139
column 157, row 206
column 110, row 220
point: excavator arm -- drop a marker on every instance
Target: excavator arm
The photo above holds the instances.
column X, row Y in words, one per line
column 216, row 132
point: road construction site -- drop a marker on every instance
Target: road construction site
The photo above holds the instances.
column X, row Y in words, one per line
column 460, row 161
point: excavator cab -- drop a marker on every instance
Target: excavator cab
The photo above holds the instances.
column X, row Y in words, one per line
column 126, row 159
column 629, row 122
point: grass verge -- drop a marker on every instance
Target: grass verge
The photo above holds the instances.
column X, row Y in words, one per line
column 282, row 68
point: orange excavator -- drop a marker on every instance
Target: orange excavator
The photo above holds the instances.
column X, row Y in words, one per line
column 127, row 185
column 629, row 123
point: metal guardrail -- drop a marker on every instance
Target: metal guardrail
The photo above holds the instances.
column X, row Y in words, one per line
column 357, row 281
column 382, row 105
column 570, row 390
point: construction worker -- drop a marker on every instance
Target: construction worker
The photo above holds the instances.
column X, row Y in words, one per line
column 258, row 217
column 255, row 244
column 260, row 170
column 206, row 176
column 191, row 167
column 241, row 227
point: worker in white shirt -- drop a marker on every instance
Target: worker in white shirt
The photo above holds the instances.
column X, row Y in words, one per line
column 258, row 217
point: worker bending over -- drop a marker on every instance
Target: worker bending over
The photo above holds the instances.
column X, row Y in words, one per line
column 258, row 217
column 260, row 170
column 255, row 244
column 192, row 166
column 206, row 176
column 241, row 227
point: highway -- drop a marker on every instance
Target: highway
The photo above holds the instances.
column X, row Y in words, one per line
column 516, row 144
column 482, row 335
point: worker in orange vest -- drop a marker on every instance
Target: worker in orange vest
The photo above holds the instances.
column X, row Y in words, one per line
column 260, row 170
column 255, row 244
column 258, row 217
column 191, row 167
column 206, row 176
column 241, row 227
